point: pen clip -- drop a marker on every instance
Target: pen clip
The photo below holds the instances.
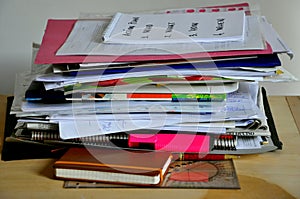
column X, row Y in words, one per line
column 254, row 125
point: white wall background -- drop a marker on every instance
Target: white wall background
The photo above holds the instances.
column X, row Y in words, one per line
column 23, row 22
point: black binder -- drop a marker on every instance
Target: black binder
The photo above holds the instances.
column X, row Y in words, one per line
column 24, row 150
column 14, row 150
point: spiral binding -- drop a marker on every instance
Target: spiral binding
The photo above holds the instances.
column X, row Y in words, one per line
column 225, row 142
column 44, row 135
column 90, row 140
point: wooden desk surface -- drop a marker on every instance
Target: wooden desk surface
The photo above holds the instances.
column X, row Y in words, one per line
column 269, row 175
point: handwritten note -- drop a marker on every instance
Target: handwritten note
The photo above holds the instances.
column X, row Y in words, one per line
column 175, row 28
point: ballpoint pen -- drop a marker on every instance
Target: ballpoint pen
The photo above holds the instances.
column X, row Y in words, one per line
column 202, row 156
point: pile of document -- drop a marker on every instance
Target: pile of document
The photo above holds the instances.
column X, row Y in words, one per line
column 131, row 80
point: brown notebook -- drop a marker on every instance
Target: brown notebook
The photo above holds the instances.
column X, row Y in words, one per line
column 113, row 165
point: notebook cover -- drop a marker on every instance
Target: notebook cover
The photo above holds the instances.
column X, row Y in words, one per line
column 134, row 162
column 220, row 174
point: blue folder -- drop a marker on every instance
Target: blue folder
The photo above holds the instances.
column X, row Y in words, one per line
column 268, row 60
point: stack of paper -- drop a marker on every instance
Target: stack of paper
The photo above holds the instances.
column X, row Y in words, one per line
column 159, row 80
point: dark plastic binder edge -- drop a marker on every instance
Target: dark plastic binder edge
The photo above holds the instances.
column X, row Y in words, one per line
column 23, row 150
column 270, row 120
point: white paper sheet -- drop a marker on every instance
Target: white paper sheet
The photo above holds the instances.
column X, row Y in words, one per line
column 85, row 31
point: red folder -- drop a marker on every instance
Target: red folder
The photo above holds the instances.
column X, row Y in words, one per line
column 57, row 31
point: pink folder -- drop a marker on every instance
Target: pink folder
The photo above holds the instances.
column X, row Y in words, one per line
column 57, row 31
